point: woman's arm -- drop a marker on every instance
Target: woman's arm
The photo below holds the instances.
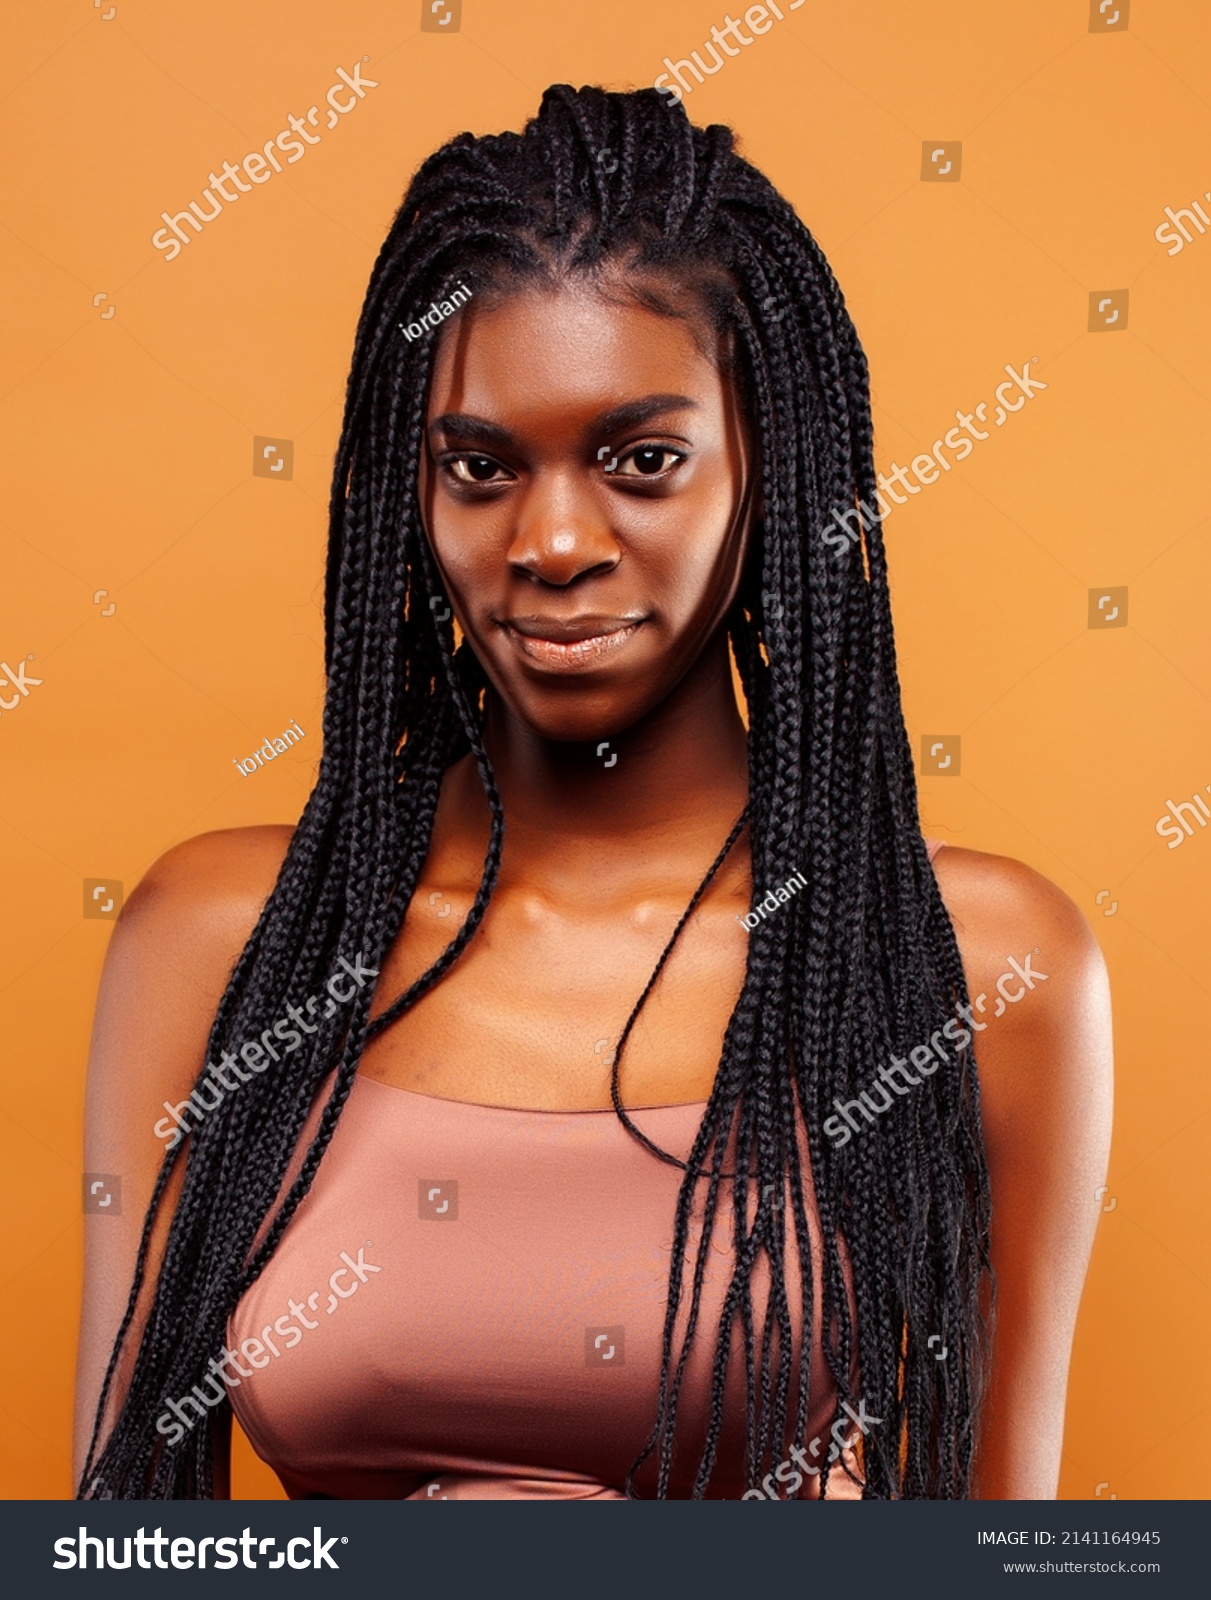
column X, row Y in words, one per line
column 169, row 960
column 1045, row 1071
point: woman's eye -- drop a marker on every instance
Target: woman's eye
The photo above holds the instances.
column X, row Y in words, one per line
column 648, row 461
column 474, row 469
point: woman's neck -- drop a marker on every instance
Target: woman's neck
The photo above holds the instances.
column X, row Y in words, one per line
column 673, row 783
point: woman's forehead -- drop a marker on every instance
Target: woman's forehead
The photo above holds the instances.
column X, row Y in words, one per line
column 568, row 347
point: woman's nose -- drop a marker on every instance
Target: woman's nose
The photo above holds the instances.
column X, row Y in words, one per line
column 562, row 534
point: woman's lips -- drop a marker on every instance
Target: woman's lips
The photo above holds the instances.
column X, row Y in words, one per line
column 571, row 654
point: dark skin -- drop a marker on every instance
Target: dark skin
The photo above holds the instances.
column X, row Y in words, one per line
column 530, row 522
column 600, row 861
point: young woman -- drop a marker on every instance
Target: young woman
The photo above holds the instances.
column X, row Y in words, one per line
column 592, row 1110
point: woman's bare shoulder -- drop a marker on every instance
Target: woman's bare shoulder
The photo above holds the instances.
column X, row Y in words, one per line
column 1001, row 907
column 1036, row 977
column 175, row 943
column 223, row 876
column 170, row 958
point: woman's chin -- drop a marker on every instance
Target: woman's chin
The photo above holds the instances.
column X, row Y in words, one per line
column 575, row 725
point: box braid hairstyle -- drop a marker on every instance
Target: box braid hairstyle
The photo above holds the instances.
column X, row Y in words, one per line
column 862, row 966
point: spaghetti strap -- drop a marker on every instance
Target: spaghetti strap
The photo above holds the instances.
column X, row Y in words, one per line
column 933, row 846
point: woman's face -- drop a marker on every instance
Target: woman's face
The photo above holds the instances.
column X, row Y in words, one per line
column 584, row 488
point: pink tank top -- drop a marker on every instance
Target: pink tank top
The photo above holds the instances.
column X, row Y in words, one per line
column 469, row 1304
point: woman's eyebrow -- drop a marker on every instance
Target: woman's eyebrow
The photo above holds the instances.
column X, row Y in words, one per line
column 635, row 412
column 462, row 426
column 631, row 414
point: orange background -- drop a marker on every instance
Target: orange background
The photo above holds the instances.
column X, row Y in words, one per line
column 128, row 444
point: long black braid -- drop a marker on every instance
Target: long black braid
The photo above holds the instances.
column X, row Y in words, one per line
column 860, row 967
